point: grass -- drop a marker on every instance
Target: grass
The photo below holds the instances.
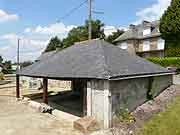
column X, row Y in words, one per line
column 165, row 123
column 166, row 61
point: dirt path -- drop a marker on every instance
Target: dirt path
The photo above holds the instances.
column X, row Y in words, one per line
column 17, row 119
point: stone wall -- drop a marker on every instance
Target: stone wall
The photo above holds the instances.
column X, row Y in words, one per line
column 136, row 47
column 133, row 92
column 151, row 54
column 131, row 46
column 153, row 44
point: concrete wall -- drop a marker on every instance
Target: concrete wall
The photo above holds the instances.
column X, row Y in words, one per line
column 105, row 97
column 99, row 102
column 132, row 93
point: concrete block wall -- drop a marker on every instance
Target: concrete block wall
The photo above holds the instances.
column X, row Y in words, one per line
column 105, row 97
column 161, row 83
column 133, row 92
column 128, row 93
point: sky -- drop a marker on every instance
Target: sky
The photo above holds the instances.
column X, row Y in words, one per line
column 36, row 21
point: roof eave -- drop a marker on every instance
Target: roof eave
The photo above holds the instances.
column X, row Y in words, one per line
column 139, row 76
column 63, row 78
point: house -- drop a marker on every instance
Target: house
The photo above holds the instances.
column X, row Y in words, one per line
column 108, row 78
column 144, row 40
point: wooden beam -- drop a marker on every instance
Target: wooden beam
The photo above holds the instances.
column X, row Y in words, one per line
column 45, row 90
column 17, row 87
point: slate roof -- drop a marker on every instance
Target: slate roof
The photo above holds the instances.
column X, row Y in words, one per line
column 96, row 59
column 46, row 55
column 137, row 32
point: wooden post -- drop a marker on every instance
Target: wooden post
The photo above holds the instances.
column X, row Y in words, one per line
column 17, row 87
column 45, row 90
column 84, row 98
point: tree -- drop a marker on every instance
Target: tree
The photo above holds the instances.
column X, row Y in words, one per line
column 54, row 44
column 97, row 29
column 1, row 59
column 170, row 24
column 26, row 63
column 77, row 34
column 7, row 67
column 114, row 36
column 80, row 33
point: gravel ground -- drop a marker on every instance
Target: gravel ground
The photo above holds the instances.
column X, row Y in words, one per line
column 18, row 119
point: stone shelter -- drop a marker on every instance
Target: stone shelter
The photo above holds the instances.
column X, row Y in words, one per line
column 108, row 78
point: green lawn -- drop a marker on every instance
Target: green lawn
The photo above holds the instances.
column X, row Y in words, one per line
column 165, row 123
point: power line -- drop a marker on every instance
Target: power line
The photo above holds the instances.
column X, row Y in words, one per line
column 72, row 11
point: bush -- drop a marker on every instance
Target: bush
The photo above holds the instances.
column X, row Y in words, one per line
column 166, row 62
column 1, row 76
column 123, row 115
column 8, row 71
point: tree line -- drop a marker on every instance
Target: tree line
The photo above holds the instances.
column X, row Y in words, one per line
column 170, row 28
column 79, row 34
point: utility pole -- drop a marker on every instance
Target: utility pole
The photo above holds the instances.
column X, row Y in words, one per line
column 90, row 19
column 17, row 70
column 18, row 63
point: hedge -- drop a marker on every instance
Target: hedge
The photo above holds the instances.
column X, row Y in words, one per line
column 172, row 52
column 166, row 62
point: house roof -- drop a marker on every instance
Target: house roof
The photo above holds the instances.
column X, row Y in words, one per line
column 137, row 31
column 1, row 65
column 96, row 59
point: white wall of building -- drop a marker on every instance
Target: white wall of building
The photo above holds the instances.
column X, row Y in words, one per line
column 147, row 31
column 124, row 46
column 160, row 44
column 146, row 45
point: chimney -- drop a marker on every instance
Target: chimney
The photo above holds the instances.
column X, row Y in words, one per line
column 132, row 26
column 146, row 23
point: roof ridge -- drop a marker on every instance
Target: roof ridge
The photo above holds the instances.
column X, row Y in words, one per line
column 105, row 66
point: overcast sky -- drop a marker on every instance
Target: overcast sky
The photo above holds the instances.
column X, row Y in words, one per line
column 35, row 21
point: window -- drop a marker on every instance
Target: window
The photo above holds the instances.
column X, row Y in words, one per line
column 146, row 46
column 124, row 45
column 160, row 44
column 146, row 31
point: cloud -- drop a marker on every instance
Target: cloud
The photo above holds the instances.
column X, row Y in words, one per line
column 33, row 41
column 153, row 12
column 57, row 28
column 30, row 48
column 10, row 36
column 108, row 30
column 4, row 16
